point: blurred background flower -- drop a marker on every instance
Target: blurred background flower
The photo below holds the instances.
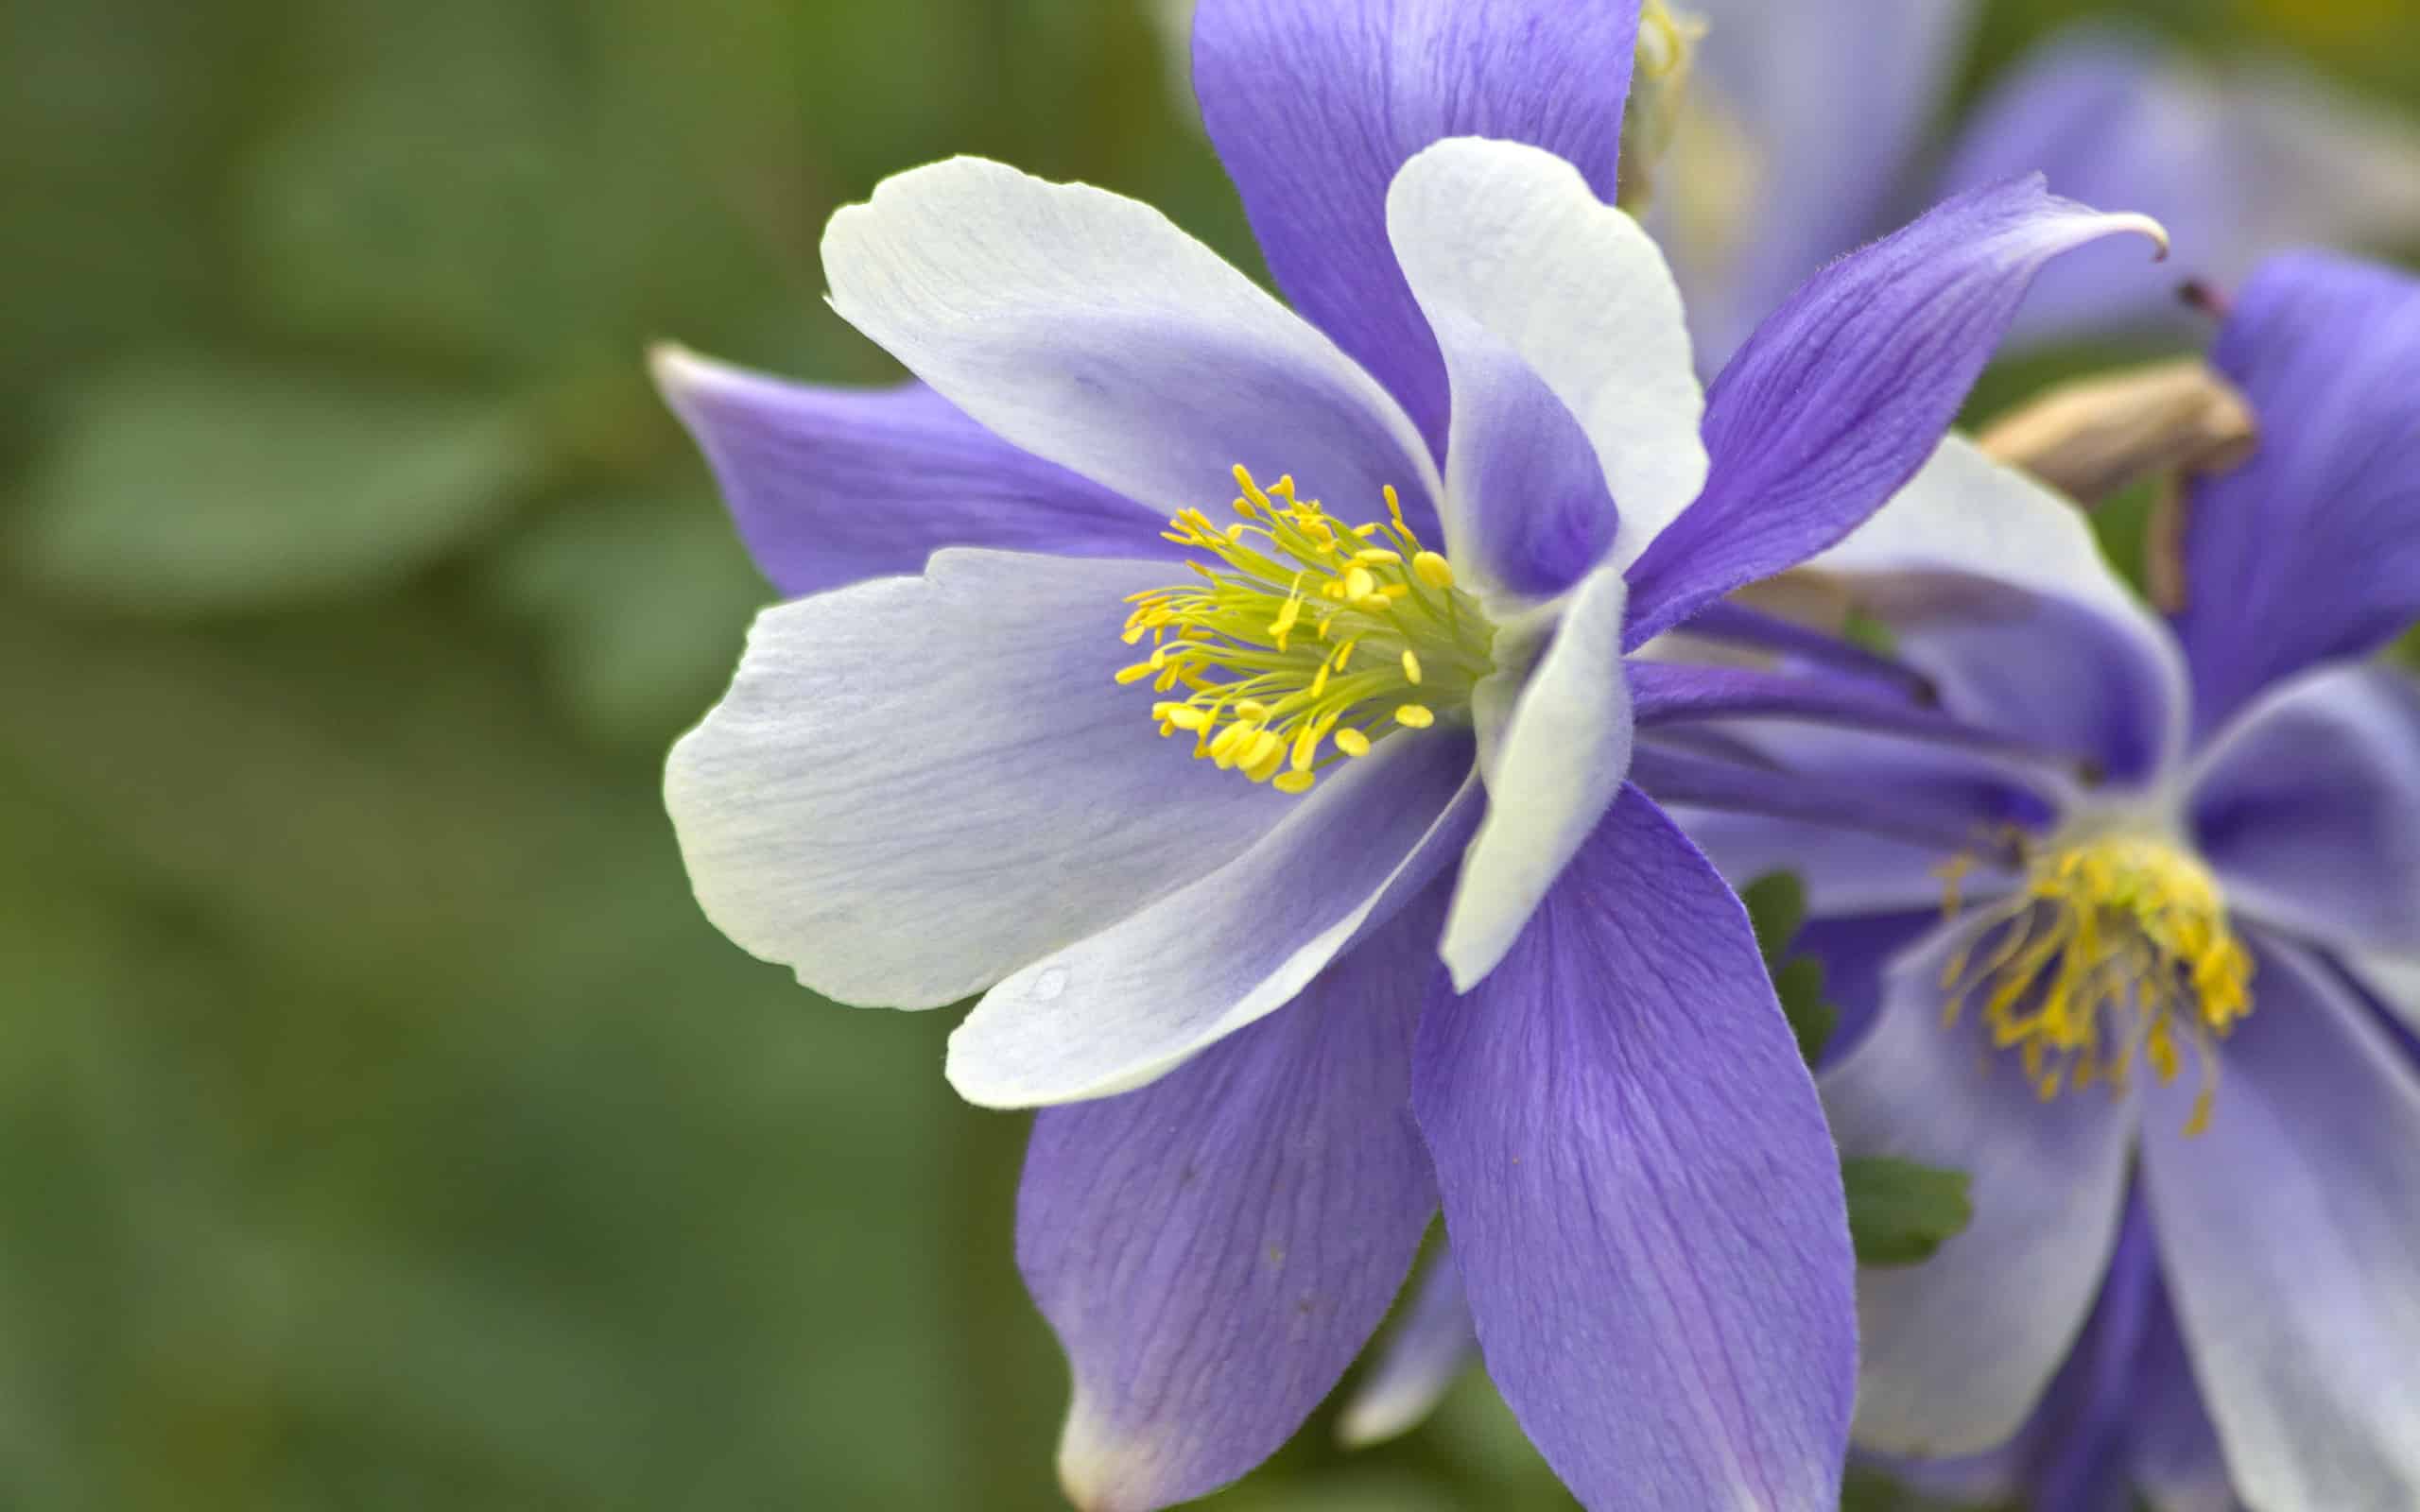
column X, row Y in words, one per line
column 384, row 1127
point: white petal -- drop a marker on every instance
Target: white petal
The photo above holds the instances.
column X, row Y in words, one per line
column 1557, row 746
column 2394, row 980
column 1131, row 1003
column 918, row 784
column 2288, row 1234
column 1966, row 516
column 1957, row 1351
column 2307, row 807
column 1088, row 330
column 1510, row 239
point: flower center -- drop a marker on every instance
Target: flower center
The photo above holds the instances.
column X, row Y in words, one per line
column 2117, row 946
column 1304, row 634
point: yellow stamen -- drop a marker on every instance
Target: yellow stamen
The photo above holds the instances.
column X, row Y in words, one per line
column 2114, row 946
column 1224, row 644
column 1252, row 490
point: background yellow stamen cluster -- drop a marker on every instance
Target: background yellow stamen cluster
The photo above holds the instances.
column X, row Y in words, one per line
column 1307, row 632
column 2116, row 946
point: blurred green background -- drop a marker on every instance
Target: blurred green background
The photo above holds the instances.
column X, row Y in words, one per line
column 383, row 1126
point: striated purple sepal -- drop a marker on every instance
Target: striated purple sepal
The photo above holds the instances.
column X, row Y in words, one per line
column 1639, row 1191
column 1843, row 395
column 1313, row 108
column 1214, row 1250
column 830, row 487
column 2312, row 551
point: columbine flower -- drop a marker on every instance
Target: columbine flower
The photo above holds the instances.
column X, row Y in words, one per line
column 2167, row 1029
column 1259, row 663
column 1807, row 124
column 1802, row 128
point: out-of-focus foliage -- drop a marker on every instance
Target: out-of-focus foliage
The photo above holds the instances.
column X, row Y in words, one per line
column 384, row 1128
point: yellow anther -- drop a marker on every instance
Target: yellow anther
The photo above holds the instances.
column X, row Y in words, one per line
column 2117, row 946
column 1394, row 508
column 1294, row 782
column 1306, row 745
column 1259, row 703
column 1252, row 490
column 1223, row 743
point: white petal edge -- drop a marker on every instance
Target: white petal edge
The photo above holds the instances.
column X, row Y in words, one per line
column 1161, row 997
column 1555, row 748
column 2394, row 980
column 1087, row 329
column 2348, row 708
column 2287, row 1234
column 1957, row 1351
column 868, row 803
column 1510, row 238
column 1967, row 513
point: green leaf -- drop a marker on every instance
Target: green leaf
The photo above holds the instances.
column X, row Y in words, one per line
column 1799, row 984
column 1777, row 910
column 190, row 485
column 1900, row 1212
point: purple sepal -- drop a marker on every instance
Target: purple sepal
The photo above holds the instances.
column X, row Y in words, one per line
column 1214, row 1250
column 2312, row 551
column 1843, row 393
column 1314, row 107
column 1639, row 1191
